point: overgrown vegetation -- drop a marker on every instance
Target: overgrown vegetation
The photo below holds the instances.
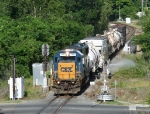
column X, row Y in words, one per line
column 133, row 84
column 30, row 91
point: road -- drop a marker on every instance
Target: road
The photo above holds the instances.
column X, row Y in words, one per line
column 79, row 105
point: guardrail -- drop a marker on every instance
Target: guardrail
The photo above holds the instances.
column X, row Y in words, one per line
column 105, row 97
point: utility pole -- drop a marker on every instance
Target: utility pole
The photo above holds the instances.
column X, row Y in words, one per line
column 142, row 7
column 13, row 75
column 45, row 53
column 119, row 19
column 45, row 59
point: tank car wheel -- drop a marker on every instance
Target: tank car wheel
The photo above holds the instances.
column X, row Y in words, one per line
column 98, row 77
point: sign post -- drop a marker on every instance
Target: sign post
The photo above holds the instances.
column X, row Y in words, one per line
column 92, row 84
column 115, row 89
column 45, row 53
column 13, row 75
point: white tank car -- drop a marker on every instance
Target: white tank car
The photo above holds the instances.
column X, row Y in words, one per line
column 98, row 50
column 114, row 37
column 93, row 56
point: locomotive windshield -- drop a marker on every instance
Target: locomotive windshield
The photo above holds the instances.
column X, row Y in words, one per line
column 66, row 58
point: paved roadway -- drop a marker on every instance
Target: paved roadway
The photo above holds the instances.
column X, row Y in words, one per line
column 79, row 105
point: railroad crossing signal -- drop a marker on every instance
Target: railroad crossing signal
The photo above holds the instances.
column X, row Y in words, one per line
column 45, row 49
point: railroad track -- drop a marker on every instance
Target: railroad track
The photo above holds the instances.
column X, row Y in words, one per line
column 55, row 105
column 130, row 31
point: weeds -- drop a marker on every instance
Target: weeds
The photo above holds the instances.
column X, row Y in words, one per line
column 133, row 84
column 30, row 91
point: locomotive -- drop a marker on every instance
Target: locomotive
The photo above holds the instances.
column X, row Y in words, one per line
column 74, row 66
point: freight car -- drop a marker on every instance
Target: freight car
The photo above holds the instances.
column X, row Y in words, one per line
column 120, row 28
column 75, row 65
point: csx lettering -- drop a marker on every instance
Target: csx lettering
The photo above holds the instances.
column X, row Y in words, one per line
column 66, row 69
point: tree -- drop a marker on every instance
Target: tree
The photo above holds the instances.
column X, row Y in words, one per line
column 144, row 39
column 94, row 12
column 36, row 8
column 128, row 8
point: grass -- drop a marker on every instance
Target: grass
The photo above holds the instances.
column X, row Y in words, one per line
column 115, row 102
column 133, row 84
column 30, row 92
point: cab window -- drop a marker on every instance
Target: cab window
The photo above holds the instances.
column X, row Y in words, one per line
column 78, row 59
column 56, row 59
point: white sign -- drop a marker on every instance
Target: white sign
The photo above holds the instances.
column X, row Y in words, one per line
column 132, row 107
column 92, row 83
column 115, row 82
column 128, row 20
column 41, row 72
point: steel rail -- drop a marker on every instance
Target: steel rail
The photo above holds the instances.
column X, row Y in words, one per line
column 41, row 110
column 60, row 107
column 130, row 32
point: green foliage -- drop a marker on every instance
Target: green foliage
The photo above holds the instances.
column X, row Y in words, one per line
column 36, row 8
column 94, row 12
column 141, row 70
column 148, row 99
column 26, row 25
column 132, row 72
column 145, row 21
column 128, row 8
column 121, row 84
column 25, row 36
column 144, row 39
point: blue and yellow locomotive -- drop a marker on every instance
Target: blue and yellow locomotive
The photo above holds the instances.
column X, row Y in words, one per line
column 71, row 69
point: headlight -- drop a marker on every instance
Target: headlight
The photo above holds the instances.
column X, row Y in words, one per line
column 58, row 82
column 67, row 53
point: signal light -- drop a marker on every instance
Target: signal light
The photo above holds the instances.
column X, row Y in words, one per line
column 58, row 82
